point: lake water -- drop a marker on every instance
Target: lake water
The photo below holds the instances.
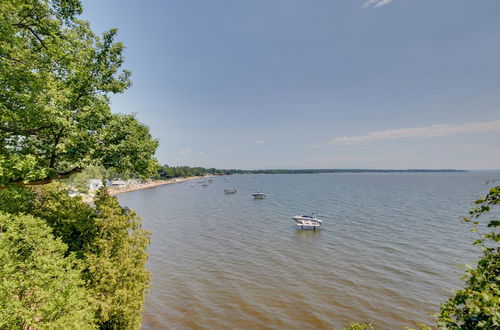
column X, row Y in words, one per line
column 387, row 252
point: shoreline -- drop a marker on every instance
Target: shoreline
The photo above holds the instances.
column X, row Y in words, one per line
column 149, row 184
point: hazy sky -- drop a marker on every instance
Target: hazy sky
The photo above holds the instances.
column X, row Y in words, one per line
column 313, row 83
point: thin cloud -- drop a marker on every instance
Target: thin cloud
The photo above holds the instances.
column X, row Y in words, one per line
column 316, row 146
column 420, row 132
column 186, row 152
column 260, row 142
column 376, row 3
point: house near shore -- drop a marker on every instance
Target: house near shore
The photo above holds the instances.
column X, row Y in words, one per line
column 95, row 184
column 116, row 183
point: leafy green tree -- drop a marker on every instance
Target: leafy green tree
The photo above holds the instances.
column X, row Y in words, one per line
column 109, row 242
column 55, row 77
column 87, row 266
column 477, row 305
column 40, row 286
column 115, row 261
column 70, row 219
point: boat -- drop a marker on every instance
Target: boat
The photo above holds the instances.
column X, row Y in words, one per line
column 204, row 184
column 210, row 180
column 307, row 221
column 229, row 191
column 259, row 195
column 192, row 185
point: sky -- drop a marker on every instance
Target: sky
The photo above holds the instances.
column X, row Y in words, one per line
column 254, row 84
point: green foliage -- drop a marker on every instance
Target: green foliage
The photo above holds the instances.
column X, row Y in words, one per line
column 360, row 326
column 80, row 181
column 477, row 306
column 70, row 218
column 317, row 171
column 40, row 286
column 125, row 144
column 108, row 242
column 65, row 264
column 56, row 76
column 116, row 264
column 167, row 172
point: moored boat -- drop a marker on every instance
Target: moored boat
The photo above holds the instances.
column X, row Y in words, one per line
column 307, row 221
column 259, row 195
column 229, row 191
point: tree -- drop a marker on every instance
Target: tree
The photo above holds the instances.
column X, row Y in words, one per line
column 67, row 264
column 41, row 287
column 107, row 239
column 55, row 77
column 115, row 261
column 477, row 305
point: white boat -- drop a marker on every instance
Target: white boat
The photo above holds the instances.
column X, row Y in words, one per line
column 307, row 221
column 229, row 191
column 259, row 195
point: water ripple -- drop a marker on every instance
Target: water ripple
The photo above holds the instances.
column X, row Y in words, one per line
column 387, row 252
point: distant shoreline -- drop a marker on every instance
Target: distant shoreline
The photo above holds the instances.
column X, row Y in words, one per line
column 147, row 185
column 322, row 171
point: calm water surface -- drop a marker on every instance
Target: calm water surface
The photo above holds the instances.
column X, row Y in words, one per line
column 387, row 253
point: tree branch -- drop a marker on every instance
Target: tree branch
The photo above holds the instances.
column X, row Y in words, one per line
column 47, row 180
column 56, row 143
column 12, row 59
column 25, row 132
column 27, row 27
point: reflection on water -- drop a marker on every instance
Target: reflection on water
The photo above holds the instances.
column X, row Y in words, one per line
column 306, row 235
column 230, row 261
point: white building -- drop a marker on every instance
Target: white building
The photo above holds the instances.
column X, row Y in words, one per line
column 95, row 184
column 117, row 183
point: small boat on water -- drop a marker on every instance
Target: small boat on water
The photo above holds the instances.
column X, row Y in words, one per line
column 307, row 221
column 204, row 184
column 259, row 195
column 210, row 180
column 229, row 191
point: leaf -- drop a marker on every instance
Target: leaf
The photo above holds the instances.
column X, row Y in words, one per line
column 494, row 223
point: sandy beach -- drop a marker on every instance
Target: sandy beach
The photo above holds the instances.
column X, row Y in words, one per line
column 148, row 184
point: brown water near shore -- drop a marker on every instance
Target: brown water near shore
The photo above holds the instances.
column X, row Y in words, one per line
column 387, row 252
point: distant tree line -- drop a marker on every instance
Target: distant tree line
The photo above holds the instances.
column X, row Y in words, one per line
column 167, row 172
column 317, row 171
